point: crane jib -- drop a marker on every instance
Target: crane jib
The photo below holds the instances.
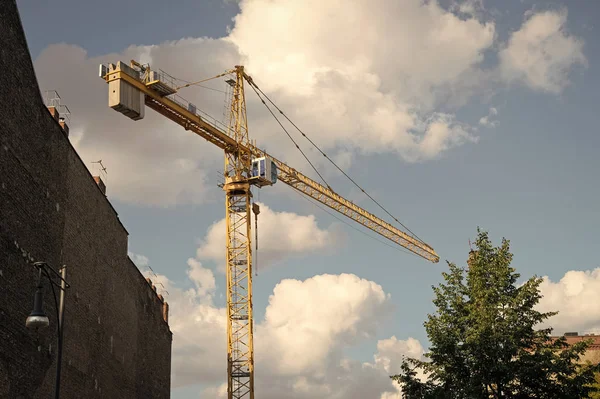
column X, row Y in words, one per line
column 180, row 114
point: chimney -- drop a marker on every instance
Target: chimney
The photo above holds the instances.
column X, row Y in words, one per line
column 53, row 104
column 100, row 183
column 166, row 312
column 64, row 126
column 54, row 112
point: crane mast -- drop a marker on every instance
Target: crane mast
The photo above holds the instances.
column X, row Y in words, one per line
column 134, row 86
column 240, row 351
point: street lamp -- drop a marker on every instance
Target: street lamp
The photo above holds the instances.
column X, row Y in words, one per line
column 38, row 319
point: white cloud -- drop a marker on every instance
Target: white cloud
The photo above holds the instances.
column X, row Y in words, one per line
column 280, row 236
column 576, row 296
column 140, row 261
column 392, row 351
column 471, row 8
column 199, row 329
column 442, row 133
column 299, row 344
column 154, row 161
column 307, row 320
column 309, row 324
column 339, row 76
column 357, row 77
column 202, row 277
column 487, row 120
column 353, row 306
column 220, row 391
column 542, row 53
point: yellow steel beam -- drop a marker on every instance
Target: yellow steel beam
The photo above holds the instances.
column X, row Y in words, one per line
column 324, row 195
column 240, row 352
column 286, row 174
column 174, row 111
column 240, row 347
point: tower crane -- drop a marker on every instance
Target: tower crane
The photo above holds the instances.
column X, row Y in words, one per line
column 135, row 86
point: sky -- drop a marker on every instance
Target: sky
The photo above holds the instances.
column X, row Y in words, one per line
column 453, row 114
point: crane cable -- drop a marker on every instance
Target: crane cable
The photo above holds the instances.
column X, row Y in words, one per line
column 200, row 81
column 256, row 211
column 255, row 87
column 354, row 227
column 290, row 136
column 189, row 83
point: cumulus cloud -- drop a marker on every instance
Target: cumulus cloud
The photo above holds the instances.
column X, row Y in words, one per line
column 368, row 80
column 300, row 342
column 392, row 351
column 309, row 323
column 141, row 261
column 354, row 308
column 360, row 89
column 432, row 47
column 576, row 297
column 488, row 120
column 198, row 326
column 152, row 162
column 203, row 278
column 375, row 78
column 468, row 7
column 280, row 235
column 297, row 311
column 441, row 133
column 542, row 52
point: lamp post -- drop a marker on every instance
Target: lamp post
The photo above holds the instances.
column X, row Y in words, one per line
column 37, row 318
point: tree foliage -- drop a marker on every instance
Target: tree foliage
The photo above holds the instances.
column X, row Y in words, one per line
column 596, row 394
column 484, row 341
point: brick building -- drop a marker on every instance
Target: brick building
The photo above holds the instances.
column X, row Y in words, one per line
column 593, row 352
column 117, row 341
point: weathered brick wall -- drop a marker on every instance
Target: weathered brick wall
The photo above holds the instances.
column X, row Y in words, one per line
column 593, row 353
column 116, row 343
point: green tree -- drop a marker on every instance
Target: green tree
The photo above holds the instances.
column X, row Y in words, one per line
column 596, row 394
column 484, row 341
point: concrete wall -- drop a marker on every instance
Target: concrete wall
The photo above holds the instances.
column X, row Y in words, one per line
column 116, row 342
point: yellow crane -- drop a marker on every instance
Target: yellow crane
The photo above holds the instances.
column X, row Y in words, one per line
column 134, row 86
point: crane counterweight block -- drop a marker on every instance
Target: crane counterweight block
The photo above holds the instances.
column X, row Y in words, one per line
column 122, row 96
